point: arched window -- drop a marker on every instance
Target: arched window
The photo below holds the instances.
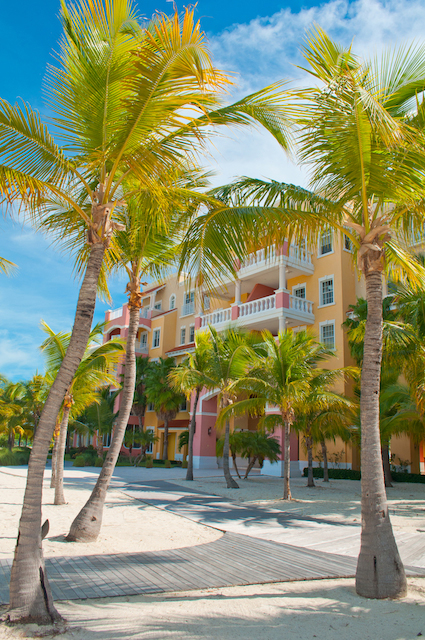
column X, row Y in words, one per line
column 172, row 301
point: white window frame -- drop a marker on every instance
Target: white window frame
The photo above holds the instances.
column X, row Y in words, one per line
column 144, row 342
column 329, row 304
column 191, row 327
column 302, row 285
column 319, row 245
column 149, row 450
column 183, row 330
column 344, row 238
column 150, row 406
column 173, row 301
column 155, row 332
column 327, row 323
column 158, row 305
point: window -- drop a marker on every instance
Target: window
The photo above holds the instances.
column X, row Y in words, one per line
column 348, row 245
column 183, row 406
column 156, row 338
column 192, row 333
column 150, row 448
column 189, row 297
column 325, row 243
column 183, row 335
column 158, row 305
column 327, row 334
column 189, row 304
column 299, row 292
column 326, row 291
column 172, row 301
column 150, row 406
column 207, row 303
column 144, row 340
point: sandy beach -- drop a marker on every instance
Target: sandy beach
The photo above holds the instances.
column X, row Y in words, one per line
column 308, row 609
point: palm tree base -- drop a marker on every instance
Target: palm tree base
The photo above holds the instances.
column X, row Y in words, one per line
column 380, row 572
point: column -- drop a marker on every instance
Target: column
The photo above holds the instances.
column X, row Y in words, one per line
column 235, row 305
column 282, row 276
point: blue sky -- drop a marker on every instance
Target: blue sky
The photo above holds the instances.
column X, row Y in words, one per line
column 258, row 42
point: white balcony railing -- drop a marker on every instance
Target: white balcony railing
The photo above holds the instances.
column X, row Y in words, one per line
column 257, row 306
column 260, row 257
column 142, row 347
column 144, row 312
column 300, row 254
column 301, row 305
column 216, row 317
column 188, row 309
column 116, row 313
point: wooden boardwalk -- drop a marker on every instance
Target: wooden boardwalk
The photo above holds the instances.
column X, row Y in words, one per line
column 233, row 559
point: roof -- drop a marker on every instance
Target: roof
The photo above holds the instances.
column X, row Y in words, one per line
column 183, row 347
column 148, row 291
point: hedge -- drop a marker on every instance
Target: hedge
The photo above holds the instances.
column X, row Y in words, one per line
column 17, row 457
column 352, row 474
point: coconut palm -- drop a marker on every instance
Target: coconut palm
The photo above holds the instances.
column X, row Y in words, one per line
column 165, row 399
column 11, row 410
column 357, row 135
column 6, row 266
column 147, row 438
column 92, row 372
column 191, row 376
column 129, row 102
column 258, row 446
column 99, row 416
column 281, row 377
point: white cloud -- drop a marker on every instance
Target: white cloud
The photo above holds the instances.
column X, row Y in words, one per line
column 266, row 50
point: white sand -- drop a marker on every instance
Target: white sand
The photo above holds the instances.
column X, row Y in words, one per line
column 128, row 525
column 326, row 609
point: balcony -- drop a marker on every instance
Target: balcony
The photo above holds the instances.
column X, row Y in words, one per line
column 116, row 313
column 296, row 257
column 142, row 348
column 263, row 313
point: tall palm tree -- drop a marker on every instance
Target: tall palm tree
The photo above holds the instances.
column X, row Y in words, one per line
column 91, row 374
column 281, row 376
column 11, row 410
column 365, row 150
column 164, row 397
column 191, row 376
column 129, row 102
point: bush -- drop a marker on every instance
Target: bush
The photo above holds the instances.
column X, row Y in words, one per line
column 341, row 474
column 79, row 461
column 168, row 464
column 351, row 474
column 149, row 464
column 184, row 464
column 17, row 457
column 98, row 462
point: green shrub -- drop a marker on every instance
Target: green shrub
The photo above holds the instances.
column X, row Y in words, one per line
column 17, row 457
column 98, row 462
column 341, row 474
column 398, row 476
column 149, row 464
column 168, row 464
column 184, row 464
column 79, row 461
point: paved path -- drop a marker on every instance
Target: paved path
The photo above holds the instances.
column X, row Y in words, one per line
column 315, row 533
column 251, row 551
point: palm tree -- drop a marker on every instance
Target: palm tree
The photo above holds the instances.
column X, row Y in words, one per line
column 139, row 399
column 281, row 377
column 357, row 133
column 99, row 417
column 191, row 376
column 258, row 445
column 147, row 438
column 11, row 410
column 165, row 399
column 6, row 266
column 130, row 102
column 92, row 372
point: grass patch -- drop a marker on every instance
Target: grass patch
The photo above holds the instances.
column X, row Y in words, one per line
column 18, row 456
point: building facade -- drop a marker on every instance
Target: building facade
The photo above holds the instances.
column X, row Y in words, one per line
column 277, row 288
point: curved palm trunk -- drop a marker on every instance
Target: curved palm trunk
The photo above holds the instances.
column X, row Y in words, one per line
column 86, row 525
column 165, row 447
column 59, row 495
column 30, row 594
column 287, row 457
column 231, row 483
column 325, row 461
column 309, row 445
column 386, row 464
column 99, row 444
column 250, row 466
column 235, row 464
column 189, row 472
column 11, row 440
column 380, row 572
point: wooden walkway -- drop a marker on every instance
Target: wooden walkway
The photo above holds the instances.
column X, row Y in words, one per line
column 233, row 559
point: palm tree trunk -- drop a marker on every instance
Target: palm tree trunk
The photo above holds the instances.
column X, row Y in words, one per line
column 250, row 466
column 386, row 464
column 11, row 440
column 99, row 444
column 165, row 448
column 189, row 472
column 59, row 495
column 30, row 594
column 309, row 445
column 235, row 465
column 380, row 572
column 325, row 461
column 231, row 483
column 87, row 524
column 287, row 457
column 55, row 455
